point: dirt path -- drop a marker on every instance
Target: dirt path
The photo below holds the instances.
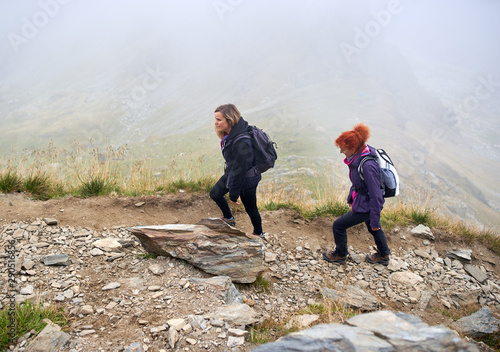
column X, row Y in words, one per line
column 105, row 212
column 290, row 233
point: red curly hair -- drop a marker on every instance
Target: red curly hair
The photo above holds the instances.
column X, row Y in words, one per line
column 355, row 139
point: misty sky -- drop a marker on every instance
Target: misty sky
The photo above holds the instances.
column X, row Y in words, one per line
column 248, row 52
column 210, row 51
column 50, row 34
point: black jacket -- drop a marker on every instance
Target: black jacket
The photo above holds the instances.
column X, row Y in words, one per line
column 239, row 158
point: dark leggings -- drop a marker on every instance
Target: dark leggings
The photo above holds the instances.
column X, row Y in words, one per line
column 248, row 198
column 350, row 219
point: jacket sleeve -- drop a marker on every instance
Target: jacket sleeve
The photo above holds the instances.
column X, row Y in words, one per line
column 243, row 160
column 371, row 173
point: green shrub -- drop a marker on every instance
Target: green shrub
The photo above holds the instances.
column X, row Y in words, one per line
column 491, row 240
column 146, row 256
column 421, row 216
column 10, row 181
column 492, row 340
column 268, row 330
column 38, row 184
column 466, row 233
column 203, row 184
column 177, row 185
column 28, row 316
column 313, row 309
column 389, row 219
column 135, row 193
column 58, row 191
column 261, row 284
column 330, row 208
column 96, row 185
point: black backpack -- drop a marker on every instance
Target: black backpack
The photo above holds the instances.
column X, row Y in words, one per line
column 264, row 148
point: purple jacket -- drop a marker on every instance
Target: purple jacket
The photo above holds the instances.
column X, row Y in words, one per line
column 366, row 197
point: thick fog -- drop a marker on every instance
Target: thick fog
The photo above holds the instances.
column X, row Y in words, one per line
column 136, row 63
column 45, row 38
column 424, row 75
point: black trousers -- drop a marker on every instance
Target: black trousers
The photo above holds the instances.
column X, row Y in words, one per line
column 350, row 219
column 248, row 197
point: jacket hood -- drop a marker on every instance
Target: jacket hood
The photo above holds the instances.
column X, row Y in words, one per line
column 240, row 127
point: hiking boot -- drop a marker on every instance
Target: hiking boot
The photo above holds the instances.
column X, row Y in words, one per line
column 254, row 235
column 231, row 222
column 377, row 258
column 333, row 257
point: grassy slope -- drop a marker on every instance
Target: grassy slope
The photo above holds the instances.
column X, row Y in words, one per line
column 302, row 113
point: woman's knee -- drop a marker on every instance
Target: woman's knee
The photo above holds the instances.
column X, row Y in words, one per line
column 212, row 193
column 338, row 225
column 219, row 189
column 216, row 192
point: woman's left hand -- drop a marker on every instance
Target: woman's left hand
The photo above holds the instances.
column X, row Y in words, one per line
column 235, row 203
column 375, row 228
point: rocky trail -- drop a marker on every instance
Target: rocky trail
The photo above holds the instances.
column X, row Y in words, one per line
column 79, row 254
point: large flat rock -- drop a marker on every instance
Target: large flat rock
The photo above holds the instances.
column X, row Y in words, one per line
column 210, row 245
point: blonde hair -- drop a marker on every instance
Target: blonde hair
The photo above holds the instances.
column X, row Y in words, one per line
column 231, row 114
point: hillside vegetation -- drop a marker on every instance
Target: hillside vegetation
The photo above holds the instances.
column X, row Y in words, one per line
column 314, row 186
column 303, row 104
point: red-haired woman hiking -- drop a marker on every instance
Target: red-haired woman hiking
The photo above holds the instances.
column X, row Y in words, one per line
column 365, row 198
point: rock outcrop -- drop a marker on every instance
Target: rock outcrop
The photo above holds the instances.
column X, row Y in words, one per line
column 211, row 245
column 381, row 331
column 50, row 339
column 478, row 324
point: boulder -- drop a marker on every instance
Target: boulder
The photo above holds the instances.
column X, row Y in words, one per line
column 50, row 339
column 478, row 324
column 211, row 245
column 235, row 314
column 460, row 254
column 423, row 231
column 476, row 273
column 377, row 331
column 107, row 244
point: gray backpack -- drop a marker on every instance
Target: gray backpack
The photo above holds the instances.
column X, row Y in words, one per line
column 389, row 178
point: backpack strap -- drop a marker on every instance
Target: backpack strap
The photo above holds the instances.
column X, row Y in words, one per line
column 360, row 166
column 241, row 136
column 246, row 135
column 385, row 156
column 362, row 177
